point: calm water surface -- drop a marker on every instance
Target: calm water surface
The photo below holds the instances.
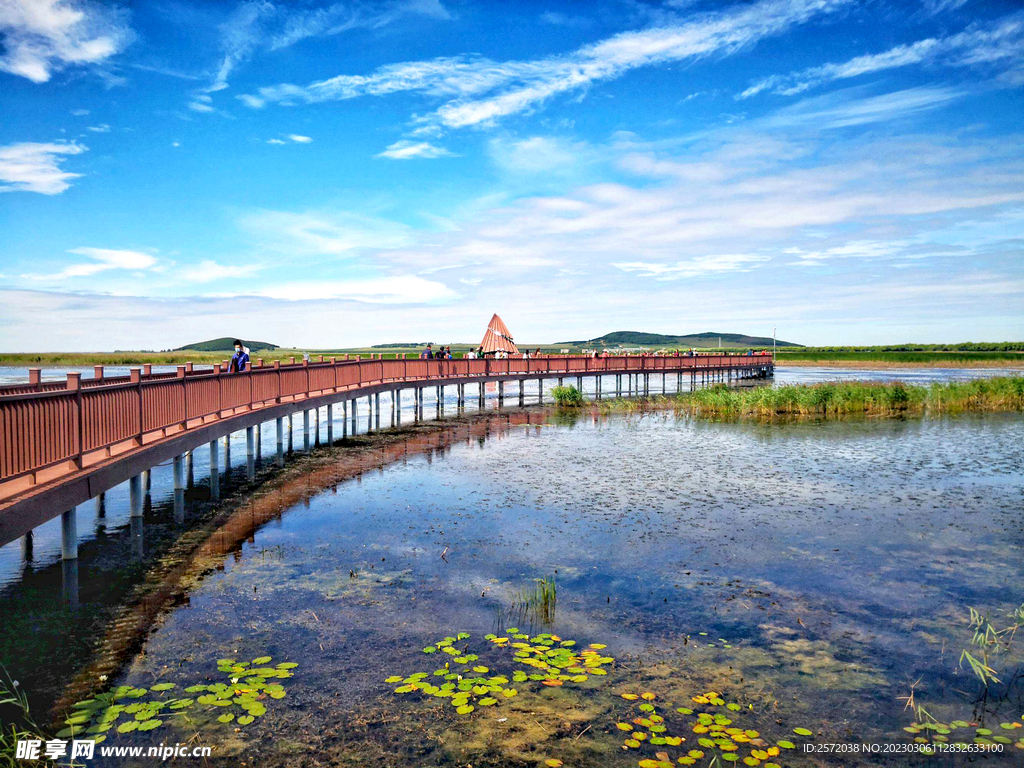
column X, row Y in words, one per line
column 812, row 573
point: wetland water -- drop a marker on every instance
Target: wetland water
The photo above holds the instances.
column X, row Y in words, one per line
column 812, row 573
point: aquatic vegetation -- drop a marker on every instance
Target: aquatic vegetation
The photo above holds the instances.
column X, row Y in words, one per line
column 240, row 700
column 989, row 641
column 706, row 733
column 537, row 602
column 468, row 684
column 843, row 398
column 16, row 723
column 567, row 396
column 928, row 731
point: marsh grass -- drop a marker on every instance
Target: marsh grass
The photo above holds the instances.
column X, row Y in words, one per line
column 839, row 399
column 16, row 721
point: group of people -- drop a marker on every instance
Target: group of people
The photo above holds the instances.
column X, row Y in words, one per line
column 441, row 353
column 445, row 353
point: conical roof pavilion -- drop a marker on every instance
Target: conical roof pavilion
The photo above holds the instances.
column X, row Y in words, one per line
column 498, row 338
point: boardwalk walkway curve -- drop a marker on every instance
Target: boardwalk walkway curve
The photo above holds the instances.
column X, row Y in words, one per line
column 62, row 443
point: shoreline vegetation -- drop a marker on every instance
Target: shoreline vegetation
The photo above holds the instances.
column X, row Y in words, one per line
column 803, row 357
column 829, row 400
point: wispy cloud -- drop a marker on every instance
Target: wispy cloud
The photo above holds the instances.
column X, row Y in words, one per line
column 41, row 37
column 201, row 103
column 329, row 233
column 101, row 128
column 409, row 150
column 208, row 271
column 398, row 289
column 300, row 139
column 998, row 44
column 103, row 259
column 33, row 167
column 481, row 91
column 696, row 267
column 262, row 25
column 846, row 108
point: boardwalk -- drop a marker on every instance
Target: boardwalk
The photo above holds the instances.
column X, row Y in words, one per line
column 63, row 443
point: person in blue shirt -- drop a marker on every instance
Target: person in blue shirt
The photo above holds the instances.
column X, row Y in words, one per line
column 240, row 361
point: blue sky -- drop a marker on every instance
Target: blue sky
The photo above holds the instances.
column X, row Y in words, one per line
column 352, row 173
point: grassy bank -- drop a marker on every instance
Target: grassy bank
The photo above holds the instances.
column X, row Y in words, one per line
column 900, row 359
column 839, row 399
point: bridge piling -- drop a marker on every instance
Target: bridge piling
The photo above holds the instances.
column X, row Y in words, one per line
column 214, row 472
column 440, row 401
column 522, row 392
column 481, row 394
column 501, row 393
column 376, row 410
column 540, row 391
column 179, row 488
column 147, row 482
column 250, row 455
column 68, row 535
column 305, row 429
column 355, row 415
column 396, row 404
column 101, row 505
column 135, row 495
column 344, row 419
column 190, row 478
column 26, row 547
column 279, row 424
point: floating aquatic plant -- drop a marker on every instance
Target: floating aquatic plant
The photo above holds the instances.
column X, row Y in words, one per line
column 468, row 685
column 124, row 709
column 703, row 733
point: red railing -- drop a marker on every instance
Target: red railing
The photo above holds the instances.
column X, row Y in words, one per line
column 44, row 425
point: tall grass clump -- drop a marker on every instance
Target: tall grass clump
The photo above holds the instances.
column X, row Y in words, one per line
column 568, row 396
column 871, row 398
column 16, row 722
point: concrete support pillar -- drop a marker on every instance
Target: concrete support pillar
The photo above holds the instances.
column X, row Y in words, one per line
column 355, row 415
column 101, row 505
column 190, row 477
column 396, row 398
column 135, row 493
column 330, row 424
column 69, row 581
column 481, row 403
column 250, row 453
column 540, row 391
column 522, row 392
column 618, row 385
column 147, row 481
column 68, row 535
column 227, row 456
column 440, row 401
column 291, row 432
column 376, row 409
column 560, row 381
column 305, row 429
column 579, row 383
column 178, row 471
column 344, row 418
column 279, row 425
column 597, row 387
column 214, row 471
column 26, row 547
column 501, row 393
column 259, row 440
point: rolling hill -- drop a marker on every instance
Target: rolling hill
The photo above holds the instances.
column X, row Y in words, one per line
column 225, row 344
column 704, row 340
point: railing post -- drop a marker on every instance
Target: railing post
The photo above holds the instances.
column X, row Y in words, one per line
column 75, row 384
column 35, row 378
column 184, row 397
column 97, row 372
column 136, row 379
column 277, row 367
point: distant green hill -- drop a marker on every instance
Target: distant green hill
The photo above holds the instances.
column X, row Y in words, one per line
column 709, row 339
column 225, row 344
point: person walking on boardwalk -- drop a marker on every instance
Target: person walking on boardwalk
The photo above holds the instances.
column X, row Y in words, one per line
column 240, row 360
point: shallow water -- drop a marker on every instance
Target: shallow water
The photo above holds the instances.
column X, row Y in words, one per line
column 831, row 566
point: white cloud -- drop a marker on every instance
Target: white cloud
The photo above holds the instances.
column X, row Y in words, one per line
column 332, row 233
column 1001, row 43
column 400, row 289
column 79, row 112
column 261, row 25
column 201, row 103
column 208, row 270
column 103, row 259
column 481, row 91
column 538, row 154
column 175, row 144
column 41, row 37
column 32, row 167
column 299, row 139
column 101, row 128
column 276, row 141
column 695, row 267
column 407, row 150
column 843, row 109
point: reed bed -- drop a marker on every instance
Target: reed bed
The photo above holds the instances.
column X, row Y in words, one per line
column 1004, row 393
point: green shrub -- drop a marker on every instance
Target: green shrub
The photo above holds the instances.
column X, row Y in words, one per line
column 568, row 396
